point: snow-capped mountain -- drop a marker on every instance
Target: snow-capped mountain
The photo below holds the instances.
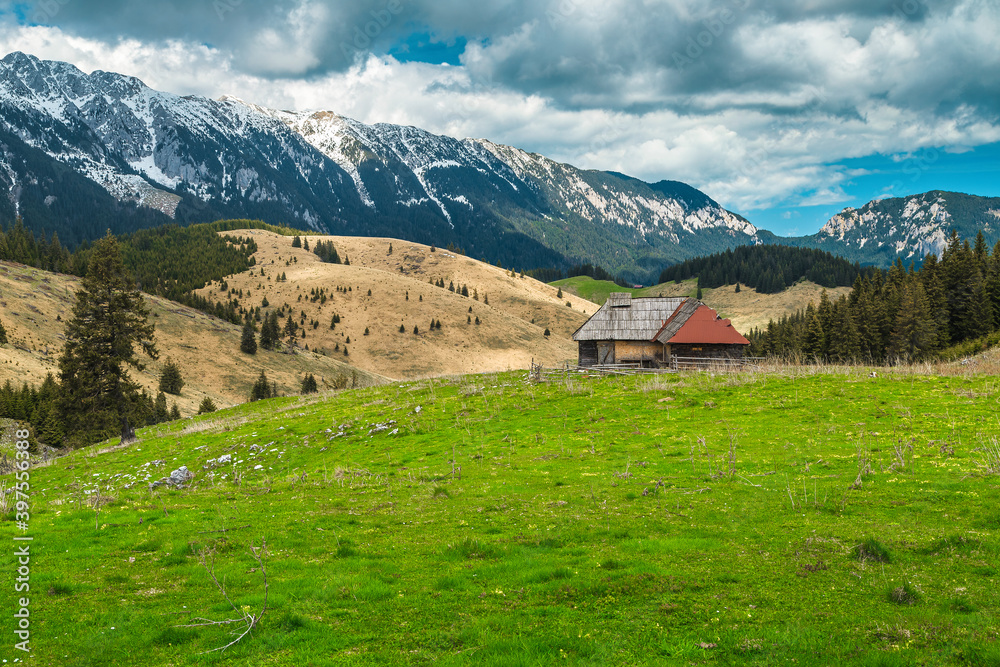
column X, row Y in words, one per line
column 76, row 145
column 908, row 227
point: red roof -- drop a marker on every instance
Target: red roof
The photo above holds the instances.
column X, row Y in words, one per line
column 705, row 326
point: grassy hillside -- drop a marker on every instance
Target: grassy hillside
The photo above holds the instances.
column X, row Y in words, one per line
column 389, row 290
column 810, row 516
column 747, row 309
column 37, row 304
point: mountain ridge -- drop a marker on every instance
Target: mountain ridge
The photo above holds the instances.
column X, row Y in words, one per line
column 195, row 159
column 158, row 157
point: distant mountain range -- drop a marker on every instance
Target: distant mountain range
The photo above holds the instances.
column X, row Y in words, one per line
column 81, row 153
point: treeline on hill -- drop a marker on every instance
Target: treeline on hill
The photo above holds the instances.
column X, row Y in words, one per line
column 767, row 268
column 900, row 315
column 169, row 261
column 550, row 275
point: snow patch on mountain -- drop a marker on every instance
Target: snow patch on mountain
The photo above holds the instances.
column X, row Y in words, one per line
column 915, row 227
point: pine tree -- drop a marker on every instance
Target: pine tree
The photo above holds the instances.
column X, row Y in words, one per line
column 844, row 341
column 248, row 341
column 291, row 328
column 261, row 388
column 269, row 332
column 175, row 412
column 160, row 413
column 737, row 288
column 297, row 242
column 309, row 384
column 170, row 378
column 402, row 329
column 110, row 320
column 3, row 335
column 915, row 333
column 547, row 333
column 416, row 330
column 207, row 406
column 559, row 293
column 813, row 342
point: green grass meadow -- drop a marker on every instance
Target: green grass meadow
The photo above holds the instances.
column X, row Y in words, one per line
column 598, row 290
column 807, row 517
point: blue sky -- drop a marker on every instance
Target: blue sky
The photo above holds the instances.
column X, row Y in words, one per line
column 783, row 111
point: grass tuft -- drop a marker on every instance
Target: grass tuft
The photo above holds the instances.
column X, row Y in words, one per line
column 962, row 605
column 60, row 588
column 904, row 595
column 469, row 549
column 872, row 549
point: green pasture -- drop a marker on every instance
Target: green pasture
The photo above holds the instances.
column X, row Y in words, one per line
column 807, row 517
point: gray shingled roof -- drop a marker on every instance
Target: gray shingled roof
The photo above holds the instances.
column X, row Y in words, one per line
column 630, row 319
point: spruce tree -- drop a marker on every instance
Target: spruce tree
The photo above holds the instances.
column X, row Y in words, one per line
column 261, row 388
column 175, row 412
column 248, row 342
column 170, row 378
column 3, row 334
column 843, row 339
column 207, row 405
column 309, row 385
column 160, row 413
column 291, row 328
column 297, row 241
column 110, row 321
column 915, row 332
column 269, row 332
column 812, row 342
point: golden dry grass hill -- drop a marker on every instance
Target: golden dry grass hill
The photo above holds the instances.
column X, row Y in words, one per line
column 36, row 305
column 391, row 293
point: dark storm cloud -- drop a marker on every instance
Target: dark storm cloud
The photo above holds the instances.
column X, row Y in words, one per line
column 629, row 55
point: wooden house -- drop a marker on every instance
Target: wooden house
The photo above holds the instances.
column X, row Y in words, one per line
column 652, row 331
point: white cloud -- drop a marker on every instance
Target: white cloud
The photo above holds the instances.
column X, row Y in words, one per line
column 762, row 117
